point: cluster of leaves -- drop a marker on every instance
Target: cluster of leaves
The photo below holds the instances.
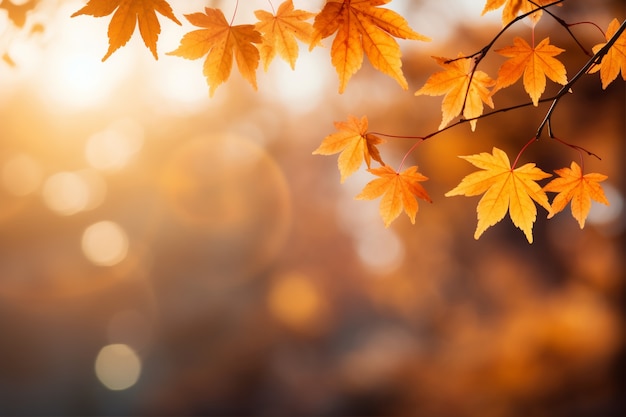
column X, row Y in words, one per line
column 363, row 27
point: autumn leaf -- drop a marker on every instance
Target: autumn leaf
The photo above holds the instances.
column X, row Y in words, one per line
column 280, row 32
column 399, row 190
column 460, row 93
column 361, row 27
column 615, row 59
column 535, row 63
column 220, row 41
column 505, row 189
column 580, row 189
column 123, row 22
column 354, row 143
column 515, row 7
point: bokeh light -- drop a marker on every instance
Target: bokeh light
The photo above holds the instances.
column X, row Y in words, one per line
column 112, row 148
column 117, row 366
column 295, row 301
column 105, row 243
column 21, row 175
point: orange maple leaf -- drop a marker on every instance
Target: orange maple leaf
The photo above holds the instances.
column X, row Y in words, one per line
column 361, row 26
column 515, row 7
column 354, row 143
column 505, row 189
column 535, row 63
column 399, row 190
column 280, row 32
column 460, row 93
column 580, row 189
column 128, row 13
column 220, row 41
column 615, row 59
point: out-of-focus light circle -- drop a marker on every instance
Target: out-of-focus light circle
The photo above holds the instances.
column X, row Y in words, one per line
column 105, row 243
column 380, row 249
column 295, row 301
column 21, row 175
column 118, row 367
column 112, row 148
column 65, row 193
column 601, row 214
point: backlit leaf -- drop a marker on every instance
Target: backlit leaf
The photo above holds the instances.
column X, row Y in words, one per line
column 534, row 63
column 362, row 27
column 505, row 189
column 514, row 7
column 460, row 93
column 127, row 15
column 220, row 41
column 399, row 190
column 354, row 143
column 572, row 185
column 614, row 61
column 280, row 32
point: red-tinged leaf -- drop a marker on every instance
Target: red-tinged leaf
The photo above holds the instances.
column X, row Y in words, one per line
column 572, row 185
column 354, row 143
column 534, row 63
column 400, row 191
column 220, row 41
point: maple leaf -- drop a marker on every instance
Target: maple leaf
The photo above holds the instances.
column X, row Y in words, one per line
column 17, row 12
column 280, row 32
column 505, row 189
column 535, row 63
column 220, row 41
column 615, row 59
column 515, row 7
column 399, row 190
column 460, row 93
column 123, row 22
column 580, row 189
column 361, row 27
column 354, row 143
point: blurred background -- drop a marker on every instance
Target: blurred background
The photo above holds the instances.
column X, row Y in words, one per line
column 163, row 253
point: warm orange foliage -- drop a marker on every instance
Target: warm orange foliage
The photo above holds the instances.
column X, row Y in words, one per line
column 280, row 32
column 399, row 190
column 361, row 26
column 515, row 7
column 460, row 93
column 505, row 189
column 580, row 189
column 615, row 59
column 127, row 15
column 535, row 63
column 354, row 143
column 220, row 40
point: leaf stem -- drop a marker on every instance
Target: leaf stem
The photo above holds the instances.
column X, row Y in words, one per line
column 594, row 60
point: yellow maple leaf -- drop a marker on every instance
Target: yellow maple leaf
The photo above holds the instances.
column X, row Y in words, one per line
column 460, row 94
column 123, row 22
column 515, row 7
column 535, row 63
column 580, row 189
column 615, row 59
column 505, row 189
column 399, row 190
column 361, row 27
column 354, row 143
column 280, row 32
column 220, row 41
